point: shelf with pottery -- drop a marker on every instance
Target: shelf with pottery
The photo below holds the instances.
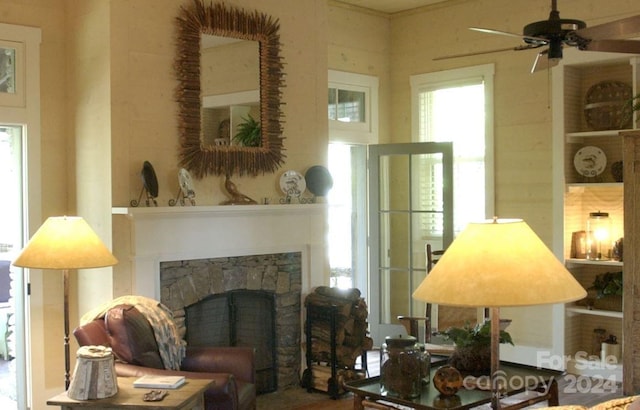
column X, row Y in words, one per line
column 582, row 125
column 577, row 136
column 595, row 312
column 576, row 261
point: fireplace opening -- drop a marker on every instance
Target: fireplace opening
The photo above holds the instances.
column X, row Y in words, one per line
column 238, row 318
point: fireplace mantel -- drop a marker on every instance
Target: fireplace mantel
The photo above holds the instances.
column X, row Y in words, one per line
column 150, row 235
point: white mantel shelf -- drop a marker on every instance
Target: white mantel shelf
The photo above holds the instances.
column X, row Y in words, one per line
column 218, row 210
column 158, row 234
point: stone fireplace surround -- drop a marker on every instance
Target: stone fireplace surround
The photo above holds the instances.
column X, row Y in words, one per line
column 173, row 234
column 186, row 283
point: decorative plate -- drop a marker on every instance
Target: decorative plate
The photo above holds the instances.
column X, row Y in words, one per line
column 186, row 183
column 318, row 180
column 590, row 161
column 149, row 179
column 292, row 183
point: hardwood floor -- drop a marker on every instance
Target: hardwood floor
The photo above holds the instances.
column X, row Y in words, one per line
column 587, row 393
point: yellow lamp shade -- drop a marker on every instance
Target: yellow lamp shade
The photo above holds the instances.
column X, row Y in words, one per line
column 65, row 242
column 498, row 263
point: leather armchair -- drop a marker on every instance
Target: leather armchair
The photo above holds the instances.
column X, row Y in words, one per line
column 231, row 368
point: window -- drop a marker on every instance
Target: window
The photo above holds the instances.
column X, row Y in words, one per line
column 12, row 91
column 347, row 106
column 456, row 106
column 352, row 108
column 7, row 70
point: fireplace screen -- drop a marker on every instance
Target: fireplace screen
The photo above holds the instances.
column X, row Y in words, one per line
column 238, row 318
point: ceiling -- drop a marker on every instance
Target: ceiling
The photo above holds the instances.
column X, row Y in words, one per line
column 390, row 6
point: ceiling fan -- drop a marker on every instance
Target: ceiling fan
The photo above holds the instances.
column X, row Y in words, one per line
column 556, row 33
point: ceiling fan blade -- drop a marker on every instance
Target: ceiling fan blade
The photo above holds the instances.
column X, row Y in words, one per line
column 627, row 27
column 477, row 53
column 543, row 62
column 506, row 33
column 614, row 46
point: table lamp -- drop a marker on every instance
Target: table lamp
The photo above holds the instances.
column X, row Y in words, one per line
column 498, row 263
column 65, row 242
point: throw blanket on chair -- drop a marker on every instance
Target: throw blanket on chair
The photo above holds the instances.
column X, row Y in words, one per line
column 170, row 343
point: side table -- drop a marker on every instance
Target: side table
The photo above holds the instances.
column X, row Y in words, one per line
column 189, row 396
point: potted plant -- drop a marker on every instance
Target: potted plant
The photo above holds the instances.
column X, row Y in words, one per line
column 473, row 347
column 248, row 134
column 608, row 291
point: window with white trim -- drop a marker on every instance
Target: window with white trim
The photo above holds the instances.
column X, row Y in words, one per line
column 456, row 106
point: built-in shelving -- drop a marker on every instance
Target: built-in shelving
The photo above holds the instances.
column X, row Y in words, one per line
column 577, row 196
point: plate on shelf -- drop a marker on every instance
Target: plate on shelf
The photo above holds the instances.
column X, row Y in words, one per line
column 292, row 183
column 319, row 180
column 186, row 183
column 149, row 179
column 590, row 161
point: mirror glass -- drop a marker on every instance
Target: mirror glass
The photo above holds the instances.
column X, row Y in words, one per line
column 230, row 84
column 230, row 79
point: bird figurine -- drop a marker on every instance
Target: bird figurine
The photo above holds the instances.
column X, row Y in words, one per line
column 236, row 198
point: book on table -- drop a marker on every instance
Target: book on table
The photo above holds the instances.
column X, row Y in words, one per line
column 150, row 381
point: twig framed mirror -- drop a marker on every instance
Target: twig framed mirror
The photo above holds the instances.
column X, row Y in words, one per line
column 196, row 20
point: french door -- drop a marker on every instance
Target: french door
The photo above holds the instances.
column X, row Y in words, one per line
column 410, row 205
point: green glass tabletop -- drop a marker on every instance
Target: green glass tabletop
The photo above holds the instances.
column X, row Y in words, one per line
column 514, row 377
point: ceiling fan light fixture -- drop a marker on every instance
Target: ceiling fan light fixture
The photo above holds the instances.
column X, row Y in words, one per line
column 549, row 29
column 556, row 33
column 555, row 49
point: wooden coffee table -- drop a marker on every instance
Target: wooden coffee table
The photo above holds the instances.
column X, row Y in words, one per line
column 188, row 396
column 541, row 383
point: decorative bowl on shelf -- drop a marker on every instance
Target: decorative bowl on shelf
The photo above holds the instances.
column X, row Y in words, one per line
column 607, row 106
column 617, row 171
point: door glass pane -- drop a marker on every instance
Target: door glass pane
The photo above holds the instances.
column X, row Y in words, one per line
column 417, row 307
column 7, row 70
column 396, row 287
column 399, row 245
column 396, row 168
column 427, row 201
column 426, row 184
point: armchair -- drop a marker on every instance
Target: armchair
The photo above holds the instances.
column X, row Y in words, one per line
column 129, row 334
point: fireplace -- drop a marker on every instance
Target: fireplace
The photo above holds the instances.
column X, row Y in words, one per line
column 187, row 239
column 241, row 301
column 244, row 318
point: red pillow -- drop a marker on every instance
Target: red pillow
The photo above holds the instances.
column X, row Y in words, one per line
column 131, row 337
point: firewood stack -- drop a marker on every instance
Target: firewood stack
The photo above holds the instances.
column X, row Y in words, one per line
column 349, row 311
